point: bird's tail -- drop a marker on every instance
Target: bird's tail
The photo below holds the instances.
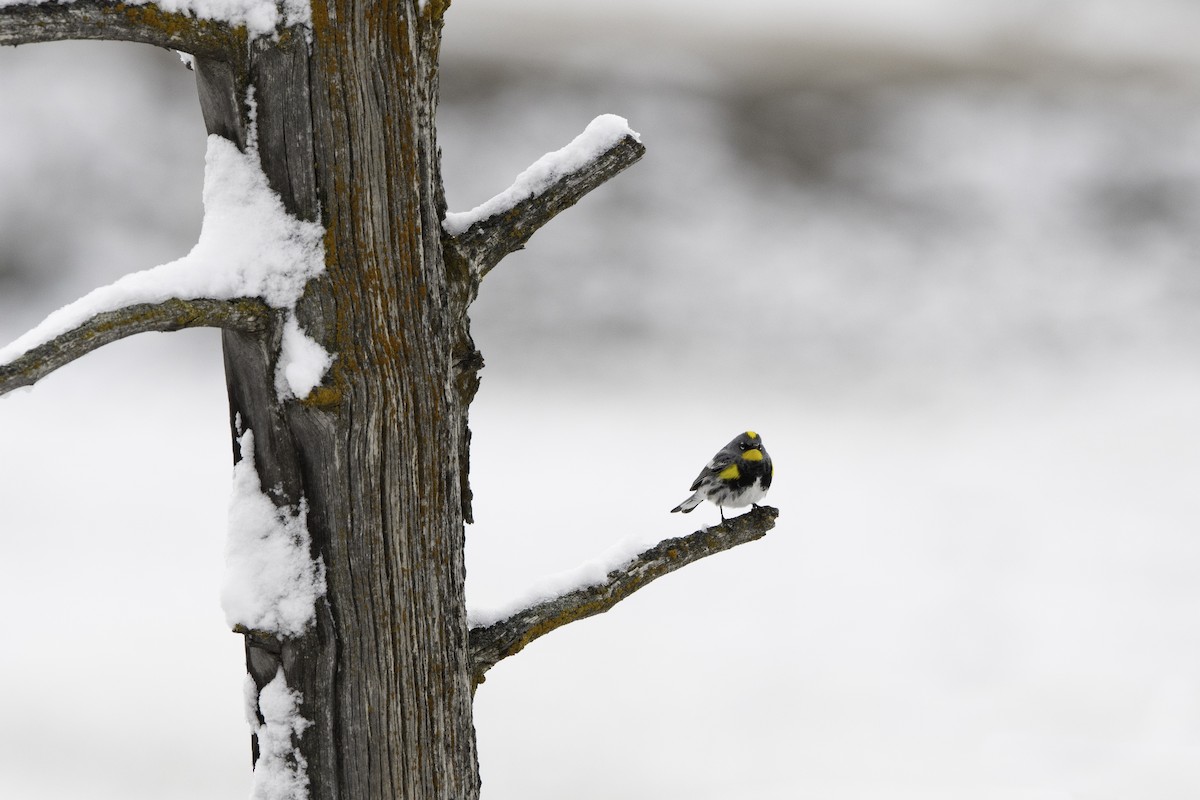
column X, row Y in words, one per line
column 689, row 504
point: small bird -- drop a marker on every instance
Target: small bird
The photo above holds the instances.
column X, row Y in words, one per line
column 738, row 476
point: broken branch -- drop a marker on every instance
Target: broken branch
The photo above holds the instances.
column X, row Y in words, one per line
column 94, row 19
column 243, row 314
column 506, row 222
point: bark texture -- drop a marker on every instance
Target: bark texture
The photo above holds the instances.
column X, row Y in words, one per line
column 345, row 131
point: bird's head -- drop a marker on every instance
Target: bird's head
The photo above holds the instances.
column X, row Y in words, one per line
column 749, row 444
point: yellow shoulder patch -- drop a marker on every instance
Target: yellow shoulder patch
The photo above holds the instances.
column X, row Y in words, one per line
column 752, row 434
column 730, row 473
column 753, row 455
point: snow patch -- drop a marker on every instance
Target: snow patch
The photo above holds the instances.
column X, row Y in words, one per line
column 271, row 582
column 281, row 772
column 250, row 695
column 249, row 246
column 601, row 134
column 251, row 120
column 297, row 12
column 302, row 362
column 590, row 573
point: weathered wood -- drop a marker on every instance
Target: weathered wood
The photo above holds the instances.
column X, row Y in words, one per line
column 395, row 544
column 309, row 662
column 221, row 86
column 492, row 643
column 96, row 19
column 248, row 315
column 284, row 123
column 345, row 130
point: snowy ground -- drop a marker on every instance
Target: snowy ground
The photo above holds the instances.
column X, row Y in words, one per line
column 962, row 311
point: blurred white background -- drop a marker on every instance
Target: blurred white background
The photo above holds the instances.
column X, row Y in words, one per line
column 943, row 256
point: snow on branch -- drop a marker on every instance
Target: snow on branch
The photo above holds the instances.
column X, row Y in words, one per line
column 553, row 183
column 600, row 586
column 251, row 253
column 244, row 314
column 174, row 25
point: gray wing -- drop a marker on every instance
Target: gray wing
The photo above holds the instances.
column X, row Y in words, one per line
column 719, row 462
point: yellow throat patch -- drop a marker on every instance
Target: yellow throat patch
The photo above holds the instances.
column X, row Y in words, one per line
column 730, row 473
column 753, row 455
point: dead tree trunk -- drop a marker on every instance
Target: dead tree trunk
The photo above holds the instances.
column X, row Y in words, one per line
column 341, row 116
column 346, row 136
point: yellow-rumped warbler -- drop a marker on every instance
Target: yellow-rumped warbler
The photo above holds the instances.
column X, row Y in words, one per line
column 737, row 476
